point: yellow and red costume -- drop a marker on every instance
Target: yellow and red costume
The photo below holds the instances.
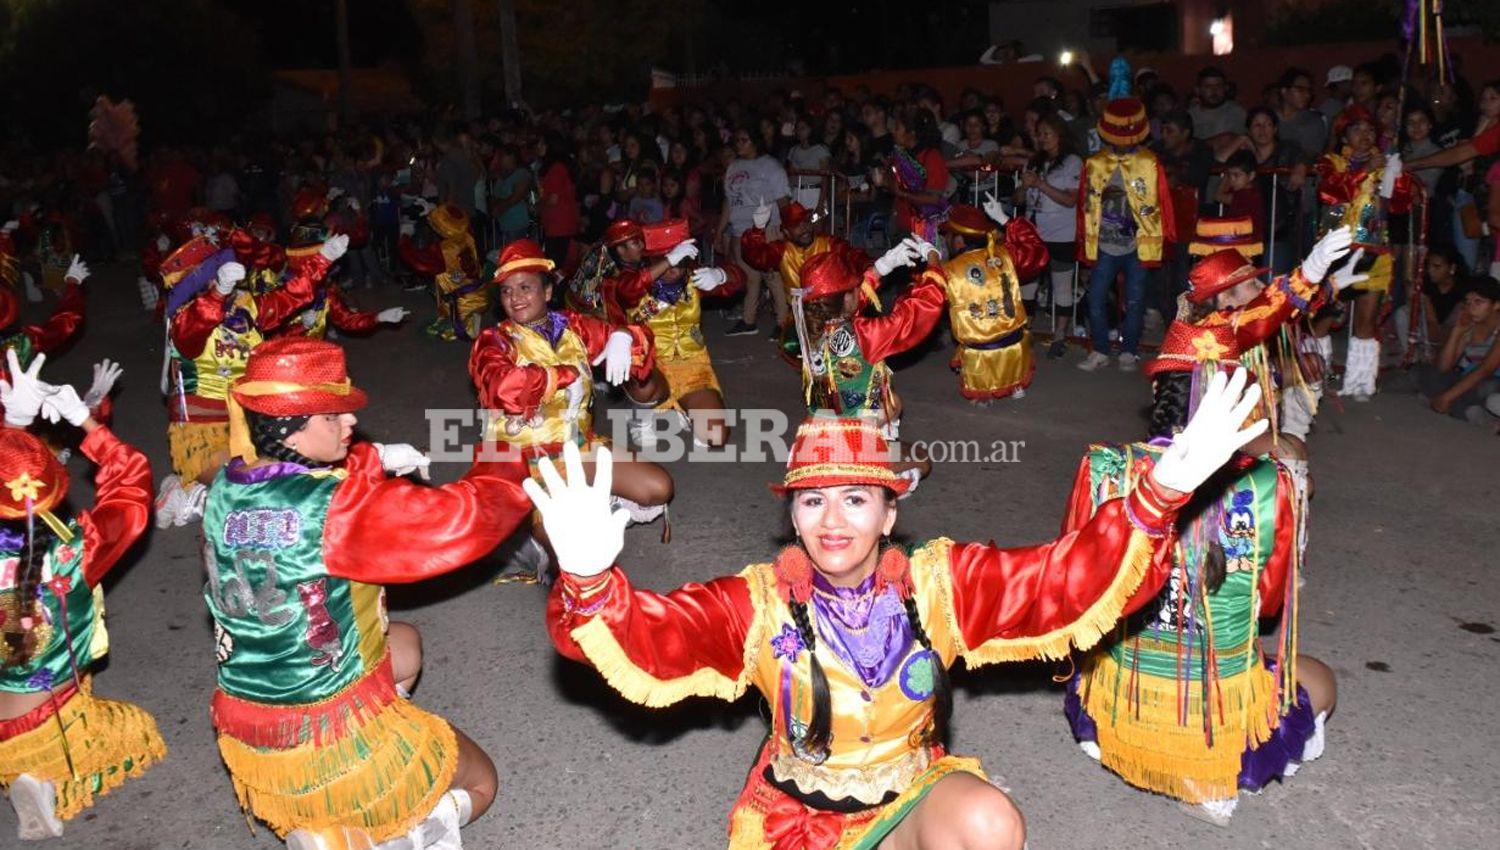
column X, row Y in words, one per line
column 210, row 337
column 931, row 605
column 1350, row 193
column 453, row 264
column 1124, row 126
column 787, row 258
column 994, row 356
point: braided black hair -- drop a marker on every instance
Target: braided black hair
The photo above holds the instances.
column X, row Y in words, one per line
column 942, row 691
column 268, row 434
column 20, row 644
column 1171, row 396
column 819, row 735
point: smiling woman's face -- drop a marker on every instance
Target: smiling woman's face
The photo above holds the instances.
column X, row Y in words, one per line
column 841, row 528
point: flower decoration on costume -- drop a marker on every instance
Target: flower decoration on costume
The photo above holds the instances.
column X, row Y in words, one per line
column 24, row 487
column 788, row 644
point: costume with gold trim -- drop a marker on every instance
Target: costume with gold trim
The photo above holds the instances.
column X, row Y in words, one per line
column 31, row 340
column 787, row 258
column 1149, row 198
column 452, row 261
column 1350, row 194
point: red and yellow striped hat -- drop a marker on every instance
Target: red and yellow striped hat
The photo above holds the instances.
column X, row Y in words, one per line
column 1124, row 122
column 834, row 452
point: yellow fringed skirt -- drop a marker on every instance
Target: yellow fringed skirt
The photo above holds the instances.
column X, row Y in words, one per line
column 383, row 775
column 196, row 446
column 987, row 373
column 686, row 376
column 107, row 741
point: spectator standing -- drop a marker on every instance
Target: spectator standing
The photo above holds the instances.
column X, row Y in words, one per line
column 1339, row 82
column 1216, row 113
column 754, row 178
column 975, row 161
column 809, row 154
column 1297, row 122
column 509, row 196
column 916, row 175
column 559, row 215
column 1050, row 191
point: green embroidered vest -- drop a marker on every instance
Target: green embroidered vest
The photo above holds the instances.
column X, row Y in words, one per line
column 63, row 613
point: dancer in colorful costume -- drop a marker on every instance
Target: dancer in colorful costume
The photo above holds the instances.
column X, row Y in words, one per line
column 786, row 256
column 1359, row 187
column 849, row 638
column 213, row 324
column 664, row 296
column 302, row 529
column 61, row 747
column 31, row 341
column 1182, row 701
column 621, row 252
column 985, row 310
column 452, row 261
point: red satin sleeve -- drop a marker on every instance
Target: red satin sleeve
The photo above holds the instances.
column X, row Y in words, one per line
column 1260, row 318
column 1033, row 591
column 192, row 325
column 909, row 321
column 759, row 252
column 62, row 325
column 665, row 635
column 734, row 282
column 273, row 308
column 627, row 288
column 1164, row 202
column 1402, row 195
column 505, row 385
column 595, row 333
column 1027, row 250
column 1273, row 576
column 384, row 530
column 1337, row 185
column 427, row 262
column 346, row 318
column 255, row 253
column 122, row 502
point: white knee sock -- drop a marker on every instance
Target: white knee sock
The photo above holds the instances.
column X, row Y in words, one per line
column 1062, row 289
column 1361, row 367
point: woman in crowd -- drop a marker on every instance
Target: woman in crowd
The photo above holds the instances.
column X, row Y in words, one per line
column 1467, row 369
column 917, row 175
column 1050, row 186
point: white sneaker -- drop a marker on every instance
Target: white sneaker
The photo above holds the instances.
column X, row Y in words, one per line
column 1019, row 393
column 302, row 839
column 638, row 513
column 35, row 803
column 169, row 502
column 194, row 498
column 1090, row 749
column 1216, row 812
column 1128, row 362
column 1094, row 361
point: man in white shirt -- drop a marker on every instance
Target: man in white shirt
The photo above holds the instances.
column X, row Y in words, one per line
column 751, row 180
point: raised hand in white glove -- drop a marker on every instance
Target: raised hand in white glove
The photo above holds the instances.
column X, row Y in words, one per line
column 1328, row 250
column 425, row 206
column 1213, row 435
column 63, row 403
column 586, row 536
column 10, row 227
column 762, row 216
column 903, row 254
column 616, row 357
column 354, row 204
column 1393, row 169
column 229, row 276
column 24, row 393
column 78, row 270
column 407, row 228
column 334, row 247
column 403, row 459
column 926, row 251
column 163, row 243
column 708, row 279
column 334, row 194
column 685, row 250
column 106, row 373
column 994, row 210
column 1346, row 277
column 392, row 315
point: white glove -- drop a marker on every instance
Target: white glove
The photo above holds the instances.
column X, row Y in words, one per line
column 24, row 393
column 762, row 215
column 63, row 403
column 408, row 228
column 903, row 254
column 708, row 279
column 1213, row 435
column 687, row 249
column 994, row 210
column 425, row 205
column 230, row 274
column 334, row 247
column 309, row 318
column 402, row 459
column 392, row 315
column 574, row 394
column 334, row 194
column 78, row 270
column 354, row 204
column 1328, row 250
column 616, row 357
column 1345, row 276
column 926, row 251
column 106, row 373
column 1393, row 169
column 10, row 227
column 163, row 243
column 585, row 535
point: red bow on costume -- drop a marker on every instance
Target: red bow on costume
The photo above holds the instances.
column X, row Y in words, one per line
column 789, row 825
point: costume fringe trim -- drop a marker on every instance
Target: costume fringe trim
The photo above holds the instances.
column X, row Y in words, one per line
column 109, row 741
column 285, row 726
column 1143, row 739
column 193, row 445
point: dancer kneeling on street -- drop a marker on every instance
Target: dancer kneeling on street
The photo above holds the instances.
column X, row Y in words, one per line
column 302, row 530
column 849, row 638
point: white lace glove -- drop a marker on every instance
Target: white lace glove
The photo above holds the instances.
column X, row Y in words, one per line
column 402, row 459
column 1345, row 277
column 585, row 535
column 392, row 315
column 229, row 276
column 63, row 403
column 354, row 205
column 994, row 210
column 163, row 243
column 10, row 227
column 425, row 206
column 1328, row 250
column 1393, row 169
column 78, row 270
column 687, row 249
column 1213, row 435
column 926, row 251
column 334, row 194
column 616, row 357
column 334, row 247
column 106, row 373
column 708, row 279
column 574, row 392
column 762, row 215
column 903, row 254
column 24, row 393
column 407, row 228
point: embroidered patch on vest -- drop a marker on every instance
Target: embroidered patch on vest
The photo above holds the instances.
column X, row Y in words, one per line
column 262, row 528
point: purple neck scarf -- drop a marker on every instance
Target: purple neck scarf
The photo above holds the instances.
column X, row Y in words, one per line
column 551, row 328
column 869, row 632
column 238, row 472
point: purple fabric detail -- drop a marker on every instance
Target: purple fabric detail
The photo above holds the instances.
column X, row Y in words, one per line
column 669, row 293
column 1078, row 720
column 1003, row 342
column 551, row 328
column 192, row 283
column 788, row 644
column 868, row 632
column 238, row 472
column 12, row 540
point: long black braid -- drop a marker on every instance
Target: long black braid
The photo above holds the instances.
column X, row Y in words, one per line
column 268, row 433
column 820, row 731
column 942, row 691
column 1172, row 394
column 19, row 643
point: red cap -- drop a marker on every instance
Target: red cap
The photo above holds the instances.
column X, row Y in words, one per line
column 522, row 255
column 968, row 221
column 1124, row 122
column 309, row 202
column 1217, row 272
column 1186, row 346
column 794, row 214
column 663, row 236
column 831, row 452
column 29, row 471
column 1352, row 114
column 297, row 376
column 622, row 231
column 828, row 274
column 187, row 257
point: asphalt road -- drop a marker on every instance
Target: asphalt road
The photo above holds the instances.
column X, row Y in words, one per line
column 1401, row 599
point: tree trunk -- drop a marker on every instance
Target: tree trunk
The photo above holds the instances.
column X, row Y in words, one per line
column 468, row 58
column 346, row 69
column 510, row 52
